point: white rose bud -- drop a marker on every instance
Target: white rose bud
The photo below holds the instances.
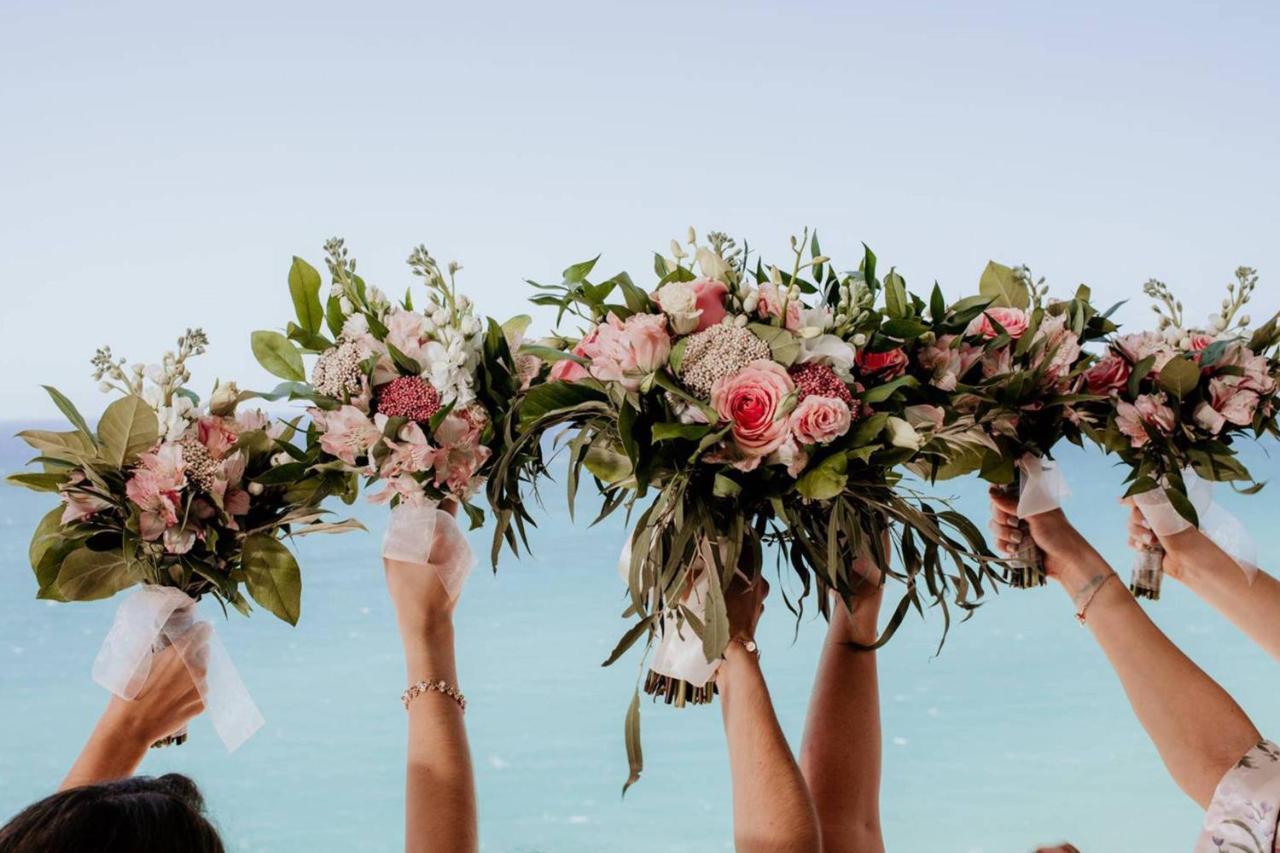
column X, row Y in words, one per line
column 859, row 340
column 903, row 434
column 281, row 459
column 345, row 306
column 255, row 489
column 751, row 302
column 224, row 399
column 680, row 303
column 740, row 321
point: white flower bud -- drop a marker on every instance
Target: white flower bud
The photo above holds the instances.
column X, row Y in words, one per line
column 841, row 319
column 255, row 489
column 1244, row 321
column 104, row 387
column 751, row 302
column 740, row 321
column 859, row 340
column 281, row 459
column 693, row 236
column 345, row 306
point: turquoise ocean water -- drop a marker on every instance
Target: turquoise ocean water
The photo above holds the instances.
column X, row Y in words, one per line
column 1016, row 735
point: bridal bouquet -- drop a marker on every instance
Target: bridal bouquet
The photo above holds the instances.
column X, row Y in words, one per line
column 186, row 499
column 408, row 398
column 1176, row 398
column 1016, row 372
column 748, row 406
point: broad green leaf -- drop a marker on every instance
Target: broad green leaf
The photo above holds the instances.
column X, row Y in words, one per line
column 690, row 432
column 304, row 287
column 515, row 328
column 579, row 271
column 896, row 303
column 272, row 576
column 825, row 480
column 278, row 355
column 91, row 575
column 127, row 428
column 782, row 344
column 72, row 445
column 999, row 283
column 553, row 397
column 69, row 409
column 1180, row 376
column 37, row 481
column 607, row 465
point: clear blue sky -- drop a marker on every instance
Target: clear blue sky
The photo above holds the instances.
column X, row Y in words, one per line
column 160, row 162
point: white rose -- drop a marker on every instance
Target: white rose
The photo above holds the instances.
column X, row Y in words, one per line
column 680, row 304
column 903, row 434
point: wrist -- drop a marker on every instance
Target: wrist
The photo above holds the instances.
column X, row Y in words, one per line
column 122, row 725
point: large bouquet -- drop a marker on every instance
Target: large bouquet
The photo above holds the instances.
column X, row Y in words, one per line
column 406, row 397
column 1176, row 398
column 751, row 406
column 187, row 499
column 1015, row 372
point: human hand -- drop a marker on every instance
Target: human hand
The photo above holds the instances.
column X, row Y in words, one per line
column 744, row 603
column 856, row 620
column 171, row 697
column 418, row 592
column 1175, row 545
column 1062, row 544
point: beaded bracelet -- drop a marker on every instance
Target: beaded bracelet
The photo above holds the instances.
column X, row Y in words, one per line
column 439, row 686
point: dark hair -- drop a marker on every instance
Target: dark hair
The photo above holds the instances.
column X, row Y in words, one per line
column 142, row 814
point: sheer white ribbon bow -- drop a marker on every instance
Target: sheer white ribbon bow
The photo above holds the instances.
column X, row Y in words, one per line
column 679, row 652
column 412, row 534
column 155, row 617
column 1042, row 488
column 1223, row 529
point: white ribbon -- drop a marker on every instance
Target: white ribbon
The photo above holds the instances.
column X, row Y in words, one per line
column 417, row 532
column 1221, row 527
column 679, row 653
column 1041, row 486
column 158, row 616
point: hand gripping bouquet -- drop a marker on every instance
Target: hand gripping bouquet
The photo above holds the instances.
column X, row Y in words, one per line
column 407, row 398
column 185, row 500
column 732, row 408
column 1015, row 371
column 1176, row 400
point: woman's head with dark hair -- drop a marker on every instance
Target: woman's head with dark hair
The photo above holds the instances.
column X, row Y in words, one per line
column 142, row 814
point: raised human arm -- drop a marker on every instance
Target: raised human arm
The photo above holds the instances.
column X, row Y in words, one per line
column 440, row 800
column 1252, row 605
column 772, row 811
column 840, row 754
column 1198, row 729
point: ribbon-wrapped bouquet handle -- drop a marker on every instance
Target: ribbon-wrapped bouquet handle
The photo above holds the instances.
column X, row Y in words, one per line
column 1220, row 526
column 1039, row 487
column 423, row 534
column 154, row 618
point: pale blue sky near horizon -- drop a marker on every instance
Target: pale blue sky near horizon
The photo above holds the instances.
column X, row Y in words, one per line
column 160, row 163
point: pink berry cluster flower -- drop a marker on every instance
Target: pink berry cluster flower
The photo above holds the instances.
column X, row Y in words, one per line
column 819, row 380
column 409, row 397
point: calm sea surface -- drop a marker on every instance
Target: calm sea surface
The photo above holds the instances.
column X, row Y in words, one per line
column 1016, row 735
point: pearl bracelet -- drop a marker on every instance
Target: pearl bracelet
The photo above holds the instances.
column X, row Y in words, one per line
column 439, row 686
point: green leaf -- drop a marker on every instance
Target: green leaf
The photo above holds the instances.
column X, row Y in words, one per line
column 725, row 487
column 272, row 576
column 286, row 474
column 403, row 361
column 896, row 303
column 551, row 397
column 278, row 356
column 37, row 481
column 1180, row 376
column 628, row 640
column 715, row 625
column 92, row 575
column 304, row 287
column 690, row 432
column 73, row 445
column 999, row 283
column 782, row 344
column 607, row 464
column 631, row 734
column 579, row 271
column 1139, row 373
column 69, row 409
column 825, row 480
column 517, row 326
column 128, row 427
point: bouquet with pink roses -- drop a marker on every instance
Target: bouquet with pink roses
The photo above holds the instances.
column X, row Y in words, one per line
column 1176, row 398
column 408, row 398
column 744, row 406
column 1015, row 372
column 187, row 500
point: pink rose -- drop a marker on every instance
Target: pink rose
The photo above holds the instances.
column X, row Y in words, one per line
column 885, row 366
column 629, row 351
column 820, row 420
column 772, row 300
column 710, row 295
column 1108, row 376
column 1149, row 410
column 1012, row 320
column 346, row 433
column 568, row 370
column 751, row 401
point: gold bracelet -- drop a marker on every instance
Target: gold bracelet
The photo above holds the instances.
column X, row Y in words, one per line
column 1089, row 593
column 439, row 686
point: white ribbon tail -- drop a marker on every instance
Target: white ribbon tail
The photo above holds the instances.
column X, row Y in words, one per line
column 1220, row 526
column 155, row 617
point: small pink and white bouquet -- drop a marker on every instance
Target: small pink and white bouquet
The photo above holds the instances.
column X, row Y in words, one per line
column 185, row 499
column 410, row 398
column 1176, row 400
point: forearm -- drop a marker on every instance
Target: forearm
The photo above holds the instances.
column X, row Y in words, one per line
column 1212, row 574
column 440, row 806
column 114, row 751
column 1198, row 729
column 840, row 756
column 772, row 811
